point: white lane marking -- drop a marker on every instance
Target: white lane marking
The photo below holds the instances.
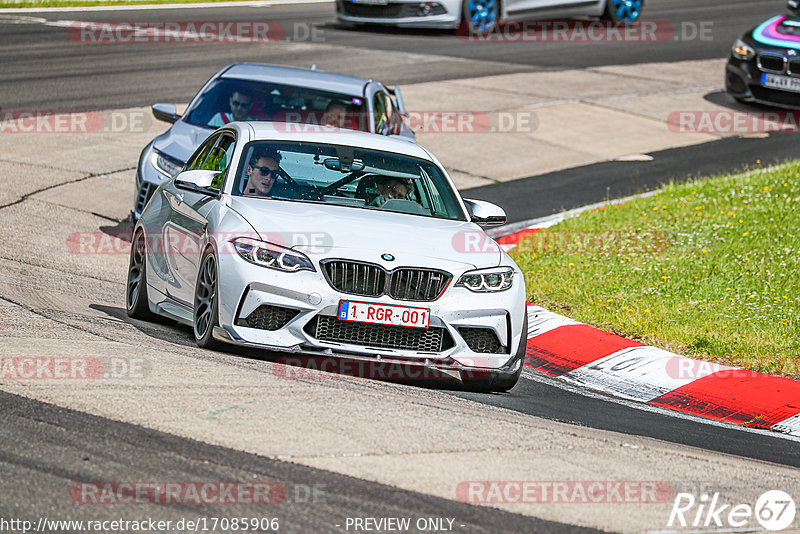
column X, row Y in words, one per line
column 642, row 373
column 541, row 320
column 530, row 374
column 150, row 7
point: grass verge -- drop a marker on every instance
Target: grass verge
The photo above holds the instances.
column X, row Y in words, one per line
column 708, row 268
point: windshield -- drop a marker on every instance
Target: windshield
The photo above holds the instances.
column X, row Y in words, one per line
column 228, row 100
column 346, row 176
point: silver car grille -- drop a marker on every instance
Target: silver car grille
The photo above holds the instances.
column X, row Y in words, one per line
column 371, row 280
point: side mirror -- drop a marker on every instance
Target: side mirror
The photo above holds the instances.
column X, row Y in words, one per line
column 198, row 181
column 485, row 214
column 165, row 112
column 794, row 6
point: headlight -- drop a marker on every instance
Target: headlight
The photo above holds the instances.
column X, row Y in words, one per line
column 742, row 50
column 487, row 280
column 272, row 256
column 165, row 164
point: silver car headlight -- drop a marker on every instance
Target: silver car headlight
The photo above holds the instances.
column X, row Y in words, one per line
column 742, row 50
column 487, row 280
column 164, row 164
column 272, row 256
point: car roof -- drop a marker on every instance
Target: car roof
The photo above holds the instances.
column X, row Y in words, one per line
column 258, row 130
column 315, row 79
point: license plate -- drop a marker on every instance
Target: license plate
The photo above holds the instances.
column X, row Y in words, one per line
column 366, row 312
column 785, row 83
column 371, row 2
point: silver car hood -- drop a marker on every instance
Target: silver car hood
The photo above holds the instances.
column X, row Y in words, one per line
column 181, row 140
column 324, row 230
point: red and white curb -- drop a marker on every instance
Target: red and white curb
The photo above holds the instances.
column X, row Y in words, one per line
column 588, row 357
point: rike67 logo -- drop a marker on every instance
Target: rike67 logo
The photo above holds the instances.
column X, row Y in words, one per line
column 773, row 510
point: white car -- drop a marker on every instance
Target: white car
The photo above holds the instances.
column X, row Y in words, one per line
column 331, row 243
column 480, row 16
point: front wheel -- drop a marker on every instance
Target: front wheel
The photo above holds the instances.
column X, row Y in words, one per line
column 206, row 302
column 623, row 10
column 480, row 16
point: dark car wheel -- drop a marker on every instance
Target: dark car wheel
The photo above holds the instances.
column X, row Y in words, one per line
column 136, row 289
column 486, row 381
column 480, row 16
column 206, row 302
column 623, row 10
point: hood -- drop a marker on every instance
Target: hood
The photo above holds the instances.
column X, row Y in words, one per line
column 181, row 140
column 327, row 231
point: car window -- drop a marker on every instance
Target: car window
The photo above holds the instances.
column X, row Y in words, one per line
column 199, row 156
column 219, row 158
column 382, row 125
column 354, row 177
column 267, row 101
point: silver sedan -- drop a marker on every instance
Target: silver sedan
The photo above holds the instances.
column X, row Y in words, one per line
column 331, row 243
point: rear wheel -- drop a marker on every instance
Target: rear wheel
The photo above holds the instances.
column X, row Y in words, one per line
column 136, row 289
column 623, row 10
column 206, row 302
column 481, row 16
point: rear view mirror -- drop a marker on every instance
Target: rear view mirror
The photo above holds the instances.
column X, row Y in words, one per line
column 165, row 112
column 336, row 164
column 485, row 214
column 199, row 181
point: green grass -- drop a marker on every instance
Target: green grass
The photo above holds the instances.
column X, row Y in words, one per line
column 709, row 269
column 86, row 3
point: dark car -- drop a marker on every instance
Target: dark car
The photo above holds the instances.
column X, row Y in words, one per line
column 764, row 66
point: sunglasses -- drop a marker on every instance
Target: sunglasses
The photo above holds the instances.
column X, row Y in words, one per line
column 266, row 171
column 240, row 104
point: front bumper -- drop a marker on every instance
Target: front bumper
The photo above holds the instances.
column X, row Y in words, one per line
column 743, row 82
column 443, row 15
column 246, row 289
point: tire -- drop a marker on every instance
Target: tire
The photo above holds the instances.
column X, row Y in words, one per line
column 206, row 302
column 136, row 304
column 623, row 10
column 480, row 17
column 488, row 381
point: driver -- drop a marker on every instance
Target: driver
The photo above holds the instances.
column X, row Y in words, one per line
column 262, row 172
column 239, row 102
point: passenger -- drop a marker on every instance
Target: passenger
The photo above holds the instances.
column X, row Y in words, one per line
column 390, row 189
column 335, row 114
column 262, row 172
column 239, row 103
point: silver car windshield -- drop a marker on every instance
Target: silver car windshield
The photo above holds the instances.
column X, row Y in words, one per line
column 227, row 100
column 346, row 176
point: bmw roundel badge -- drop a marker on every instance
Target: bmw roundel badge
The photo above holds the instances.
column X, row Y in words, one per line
column 387, row 257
